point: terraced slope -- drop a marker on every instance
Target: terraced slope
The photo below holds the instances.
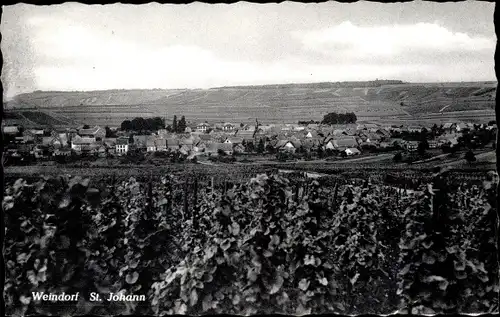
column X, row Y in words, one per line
column 285, row 103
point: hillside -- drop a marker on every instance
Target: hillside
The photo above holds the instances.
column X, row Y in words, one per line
column 273, row 103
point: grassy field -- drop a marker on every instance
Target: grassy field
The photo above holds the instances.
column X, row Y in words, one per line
column 272, row 104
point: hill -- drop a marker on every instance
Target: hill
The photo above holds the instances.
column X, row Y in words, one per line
column 371, row 101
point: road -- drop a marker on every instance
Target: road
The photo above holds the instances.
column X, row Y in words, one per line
column 482, row 157
column 207, row 163
column 367, row 159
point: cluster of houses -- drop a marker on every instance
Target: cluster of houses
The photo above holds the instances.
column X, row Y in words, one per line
column 205, row 138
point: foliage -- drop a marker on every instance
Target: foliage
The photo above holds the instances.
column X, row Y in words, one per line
column 181, row 125
column 268, row 245
column 440, row 269
column 141, row 124
column 260, row 146
column 398, row 157
column 339, row 118
column 470, row 157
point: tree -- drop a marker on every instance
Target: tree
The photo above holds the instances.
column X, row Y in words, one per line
column 249, row 146
column 174, row 124
column 422, row 147
column 470, row 157
column 181, row 127
column 126, row 125
column 335, row 118
column 109, row 133
column 434, row 130
column 158, row 123
column 131, row 139
column 320, row 152
column 398, row 157
column 260, row 147
column 221, row 152
column 86, row 126
column 269, row 148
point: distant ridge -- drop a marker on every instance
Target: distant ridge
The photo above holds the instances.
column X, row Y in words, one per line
column 322, row 85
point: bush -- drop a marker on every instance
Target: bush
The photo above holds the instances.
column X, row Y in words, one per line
column 398, row 157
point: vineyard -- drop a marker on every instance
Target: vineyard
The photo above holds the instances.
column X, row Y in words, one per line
column 270, row 244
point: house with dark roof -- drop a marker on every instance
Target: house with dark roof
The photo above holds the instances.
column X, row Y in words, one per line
column 373, row 138
column 226, row 147
column 187, row 143
column 245, row 134
column 310, row 144
column 140, row 141
column 349, row 132
column 288, row 146
column 109, row 142
column 212, row 148
column 371, row 127
column 205, row 137
column 172, row 144
column 384, row 133
column 96, row 132
column 79, row 143
column 345, row 142
column 329, row 145
column 234, row 140
column 160, row 144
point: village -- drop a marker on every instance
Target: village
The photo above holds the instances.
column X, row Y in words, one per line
column 223, row 142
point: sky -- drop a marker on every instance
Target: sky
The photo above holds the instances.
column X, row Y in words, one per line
column 77, row 47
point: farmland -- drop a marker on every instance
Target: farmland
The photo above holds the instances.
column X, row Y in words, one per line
column 272, row 104
column 269, row 244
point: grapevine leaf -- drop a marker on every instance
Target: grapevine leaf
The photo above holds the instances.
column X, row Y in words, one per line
column 304, row 284
column 276, row 285
column 131, row 278
column 207, row 302
column 193, row 297
column 25, row 300
column 354, row 279
column 323, row 281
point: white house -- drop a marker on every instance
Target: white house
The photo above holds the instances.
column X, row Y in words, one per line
column 352, row 151
column 11, row 129
column 122, row 145
column 227, row 126
column 202, row 127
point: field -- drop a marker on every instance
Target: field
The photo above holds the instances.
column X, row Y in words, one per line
column 270, row 244
column 272, row 104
